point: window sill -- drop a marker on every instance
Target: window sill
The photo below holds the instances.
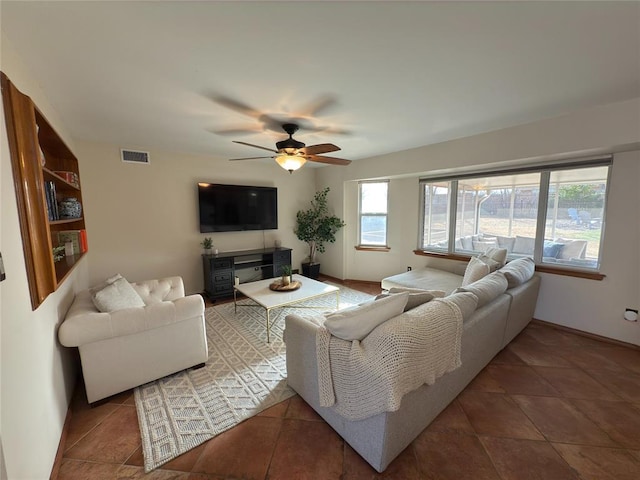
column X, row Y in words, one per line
column 539, row 268
column 366, row 248
column 570, row 273
column 448, row 256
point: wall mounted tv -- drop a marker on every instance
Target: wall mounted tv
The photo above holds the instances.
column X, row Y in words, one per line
column 232, row 208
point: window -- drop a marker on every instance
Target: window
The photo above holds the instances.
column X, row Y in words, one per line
column 373, row 213
column 553, row 214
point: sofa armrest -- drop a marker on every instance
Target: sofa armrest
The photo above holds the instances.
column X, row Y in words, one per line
column 302, row 368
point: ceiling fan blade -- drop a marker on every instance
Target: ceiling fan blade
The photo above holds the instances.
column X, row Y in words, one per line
column 239, row 107
column 314, row 107
column 320, row 148
column 256, row 146
column 329, row 160
column 247, row 158
column 238, row 131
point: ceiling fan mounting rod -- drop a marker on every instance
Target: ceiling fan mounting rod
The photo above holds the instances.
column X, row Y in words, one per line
column 290, row 128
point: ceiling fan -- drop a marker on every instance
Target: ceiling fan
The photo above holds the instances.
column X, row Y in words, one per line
column 292, row 154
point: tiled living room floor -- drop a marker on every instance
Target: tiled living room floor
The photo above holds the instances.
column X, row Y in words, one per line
column 551, row 406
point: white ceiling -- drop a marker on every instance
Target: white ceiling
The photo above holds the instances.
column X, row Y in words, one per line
column 176, row 75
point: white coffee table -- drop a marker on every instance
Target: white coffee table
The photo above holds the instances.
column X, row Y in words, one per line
column 268, row 299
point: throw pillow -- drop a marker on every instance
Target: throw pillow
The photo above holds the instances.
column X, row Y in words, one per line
column 108, row 281
column 487, row 288
column 518, row 271
column 494, row 257
column 572, row 248
column 467, row 243
column 466, row 302
column 483, row 245
column 476, row 269
column 117, row 294
column 524, row 245
column 506, row 242
column 552, row 249
column 417, row 296
column 357, row 322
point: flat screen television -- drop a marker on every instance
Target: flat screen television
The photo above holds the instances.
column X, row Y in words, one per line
column 232, row 208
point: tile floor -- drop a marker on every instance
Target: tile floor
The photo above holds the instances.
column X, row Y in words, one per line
column 552, row 406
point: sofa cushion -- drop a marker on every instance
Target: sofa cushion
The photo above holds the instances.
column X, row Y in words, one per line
column 487, row 288
column 552, row 249
column 466, row 302
column 518, row 271
column 483, row 245
column 494, row 257
column 417, row 296
column 506, row 242
column 476, row 269
column 427, row 278
column 524, row 245
column 117, row 294
column 355, row 323
column 572, row 248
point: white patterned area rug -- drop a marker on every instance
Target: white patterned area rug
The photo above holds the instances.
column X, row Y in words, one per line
column 243, row 376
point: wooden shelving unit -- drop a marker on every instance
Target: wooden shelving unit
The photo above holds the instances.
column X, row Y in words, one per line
column 37, row 153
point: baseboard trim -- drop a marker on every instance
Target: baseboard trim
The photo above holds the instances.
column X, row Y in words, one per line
column 593, row 336
column 348, row 281
column 61, row 446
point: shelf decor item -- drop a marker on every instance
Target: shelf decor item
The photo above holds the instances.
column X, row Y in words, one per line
column 69, row 177
column 286, row 275
column 207, row 244
column 70, row 207
column 58, row 253
column 279, row 287
column 316, row 227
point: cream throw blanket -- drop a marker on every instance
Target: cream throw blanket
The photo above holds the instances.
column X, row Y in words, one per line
column 363, row 378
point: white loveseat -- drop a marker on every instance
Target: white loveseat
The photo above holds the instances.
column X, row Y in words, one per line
column 126, row 348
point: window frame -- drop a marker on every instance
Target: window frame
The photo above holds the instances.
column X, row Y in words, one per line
column 373, row 246
column 545, row 171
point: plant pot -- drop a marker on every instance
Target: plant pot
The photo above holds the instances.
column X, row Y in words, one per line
column 286, row 280
column 311, row 270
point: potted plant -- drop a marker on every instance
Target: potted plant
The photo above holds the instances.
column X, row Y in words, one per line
column 316, row 227
column 286, row 274
column 207, row 244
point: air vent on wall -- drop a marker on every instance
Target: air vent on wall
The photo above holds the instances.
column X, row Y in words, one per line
column 134, row 156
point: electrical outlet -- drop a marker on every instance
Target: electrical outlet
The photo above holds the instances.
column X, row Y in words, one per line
column 2, row 274
column 408, row 269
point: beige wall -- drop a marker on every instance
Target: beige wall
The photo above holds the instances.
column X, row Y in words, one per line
column 142, row 220
column 37, row 373
column 588, row 305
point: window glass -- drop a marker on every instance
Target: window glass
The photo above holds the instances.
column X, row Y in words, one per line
column 575, row 211
column 435, row 222
column 505, row 210
column 499, row 211
column 373, row 213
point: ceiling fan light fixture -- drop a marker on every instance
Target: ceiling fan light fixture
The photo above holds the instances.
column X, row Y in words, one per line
column 290, row 162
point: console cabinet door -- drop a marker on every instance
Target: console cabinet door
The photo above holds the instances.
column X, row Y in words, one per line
column 218, row 276
column 280, row 258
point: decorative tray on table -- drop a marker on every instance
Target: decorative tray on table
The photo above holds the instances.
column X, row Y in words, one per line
column 277, row 286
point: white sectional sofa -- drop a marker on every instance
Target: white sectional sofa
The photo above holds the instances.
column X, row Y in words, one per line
column 560, row 250
column 502, row 312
